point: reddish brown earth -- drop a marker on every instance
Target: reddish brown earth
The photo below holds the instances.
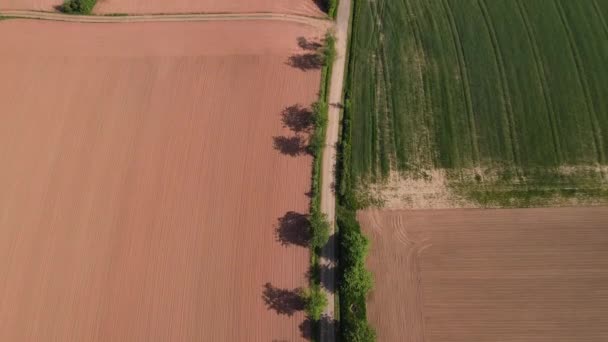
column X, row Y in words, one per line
column 525, row 275
column 141, row 187
column 303, row 7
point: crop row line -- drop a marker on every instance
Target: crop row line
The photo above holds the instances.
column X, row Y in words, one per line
column 464, row 74
column 508, row 107
column 425, row 88
column 601, row 16
column 540, row 69
column 580, row 72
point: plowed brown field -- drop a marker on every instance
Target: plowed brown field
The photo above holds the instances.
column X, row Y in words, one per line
column 140, row 185
column 496, row 275
column 303, row 7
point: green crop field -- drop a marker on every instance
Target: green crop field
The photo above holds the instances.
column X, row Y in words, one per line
column 508, row 99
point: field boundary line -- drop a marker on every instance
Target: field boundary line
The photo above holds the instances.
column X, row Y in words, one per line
column 466, row 85
column 540, row 69
column 503, row 78
column 581, row 74
column 315, row 22
column 601, row 16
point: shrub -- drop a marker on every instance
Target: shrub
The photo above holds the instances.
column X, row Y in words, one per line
column 360, row 331
column 320, row 229
column 317, row 141
column 78, row 6
column 316, row 301
column 329, row 49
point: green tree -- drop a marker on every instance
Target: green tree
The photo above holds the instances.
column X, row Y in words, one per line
column 316, row 302
column 78, row 6
column 360, row 331
column 320, row 229
column 357, row 281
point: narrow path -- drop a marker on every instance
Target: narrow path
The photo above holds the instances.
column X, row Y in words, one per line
column 328, row 197
column 56, row 16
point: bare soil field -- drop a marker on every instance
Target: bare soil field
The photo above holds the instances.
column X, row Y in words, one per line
column 35, row 5
column 303, row 7
column 143, row 191
column 496, row 275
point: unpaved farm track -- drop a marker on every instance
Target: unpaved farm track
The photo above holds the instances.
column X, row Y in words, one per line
column 520, row 275
column 316, row 22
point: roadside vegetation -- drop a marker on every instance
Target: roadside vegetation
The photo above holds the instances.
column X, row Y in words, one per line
column 354, row 279
column 507, row 100
column 78, row 6
column 319, row 223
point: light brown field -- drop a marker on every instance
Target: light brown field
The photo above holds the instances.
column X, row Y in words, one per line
column 140, row 185
column 496, row 275
column 36, row 5
column 303, row 7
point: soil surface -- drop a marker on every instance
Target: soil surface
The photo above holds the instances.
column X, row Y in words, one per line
column 147, row 191
column 303, row 7
column 525, row 275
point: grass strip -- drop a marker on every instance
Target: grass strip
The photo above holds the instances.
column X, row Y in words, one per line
column 354, row 279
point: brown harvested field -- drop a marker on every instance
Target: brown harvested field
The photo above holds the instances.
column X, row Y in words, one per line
column 525, row 275
column 141, row 187
column 303, row 7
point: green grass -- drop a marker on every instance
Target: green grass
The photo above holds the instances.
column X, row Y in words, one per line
column 482, row 88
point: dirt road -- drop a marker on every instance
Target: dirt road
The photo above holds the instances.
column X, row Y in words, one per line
column 328, row 197
column 316, row 22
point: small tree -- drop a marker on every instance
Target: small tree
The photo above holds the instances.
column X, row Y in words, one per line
column 78, row 6
column 320, row 229
column 357, row 281
column 329, row 49
column 316, row 302
column 317, row 141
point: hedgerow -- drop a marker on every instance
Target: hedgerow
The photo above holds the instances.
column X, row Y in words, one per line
column 355, row 280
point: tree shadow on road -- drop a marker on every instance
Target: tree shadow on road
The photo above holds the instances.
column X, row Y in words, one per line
column 324, row 325
column 325, row 271
column 283, row 301
column 293, row 229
